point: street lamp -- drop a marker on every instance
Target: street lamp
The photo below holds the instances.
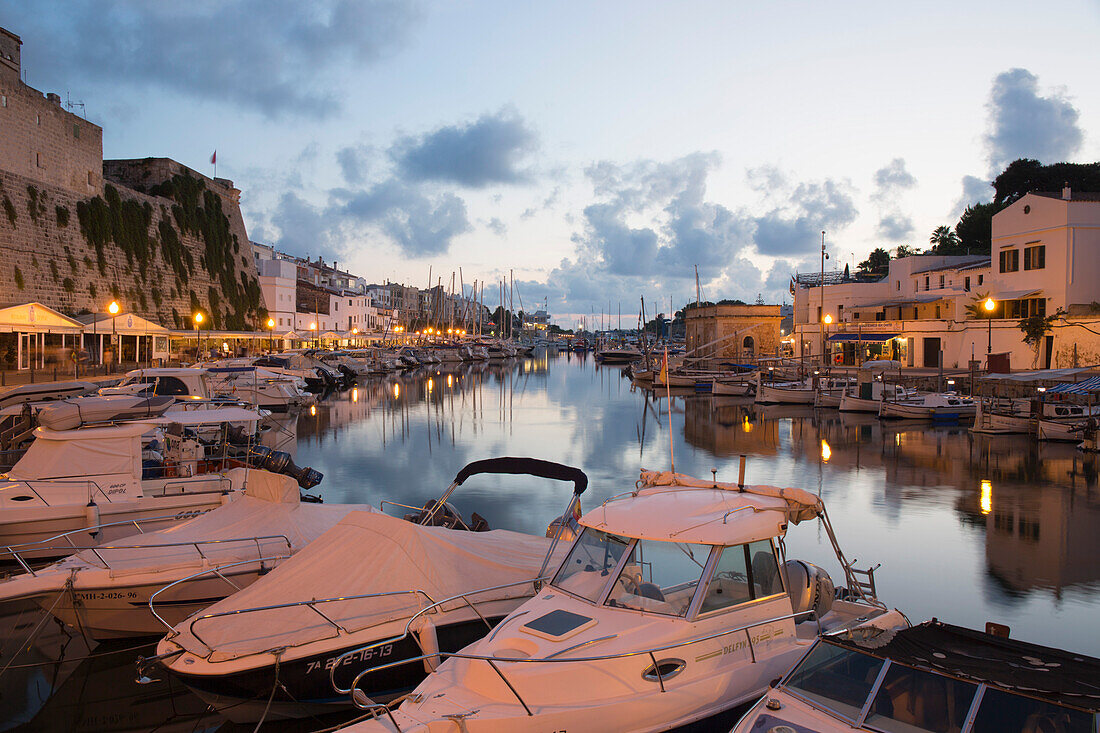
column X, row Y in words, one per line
column 197, row 318
column 313, row 327
column 271, row 338
column 989, row 305
column 113, row 309
column 825, row 321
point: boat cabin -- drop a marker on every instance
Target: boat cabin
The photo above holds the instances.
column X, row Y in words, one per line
column 933, row 677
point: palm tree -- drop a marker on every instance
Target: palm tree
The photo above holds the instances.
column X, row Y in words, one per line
column 944, row 240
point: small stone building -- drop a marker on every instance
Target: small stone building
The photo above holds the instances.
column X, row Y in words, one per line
column 733, row 332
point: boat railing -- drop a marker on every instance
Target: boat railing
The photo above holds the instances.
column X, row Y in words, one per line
column 48, row 542
column 216, row 571
column 651, row 652
column 222, row 484
column 412, row 619
column 311, row 604
column 197, row 544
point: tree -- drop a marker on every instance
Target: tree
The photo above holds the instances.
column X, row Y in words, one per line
column 945, row 242
column 1026, row 175
column 975, row 227
column 975, row 309
column 877, row 263
column 1035, row 328
column 904, row 250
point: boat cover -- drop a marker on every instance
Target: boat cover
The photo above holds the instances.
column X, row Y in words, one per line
column 365, row 553
column 1050, row 674
column 269, row 508
column 73, row 413
column 56, row 454
column 801, row 504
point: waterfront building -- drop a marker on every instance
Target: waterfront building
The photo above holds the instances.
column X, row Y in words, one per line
column 737, row 332
column 927, row 308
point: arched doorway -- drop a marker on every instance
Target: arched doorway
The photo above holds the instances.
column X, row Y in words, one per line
column 748, row 346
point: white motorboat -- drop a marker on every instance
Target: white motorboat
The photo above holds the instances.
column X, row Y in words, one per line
column 673, row 606
column 931, row 677
column 803, row 392
column 104, row 590
column 244, row 382
column 371, row 578
column 45, row 391
column 931, row 406
column 1071, row 431
column 869, row 396
column 82, row 478
column 621, row 354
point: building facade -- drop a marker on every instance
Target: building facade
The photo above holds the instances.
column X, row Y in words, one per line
column 733, row 332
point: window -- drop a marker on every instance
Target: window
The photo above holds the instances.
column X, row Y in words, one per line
column 897, row 285
column 1007, row 713
column 38, row 160
column 170, row 386
column 981, row 279
column 937, row 311
column 1035, row 258
column 660, row 577
column 966, row 285
column 1010, row 260
column 941, row 281
column 595, row 554
column 3, row 100
column 38, row 119
column 91, row 178
column 76, row 131
column 910, row 699
column 926, row 282
column 743, row 573
column 837, row 678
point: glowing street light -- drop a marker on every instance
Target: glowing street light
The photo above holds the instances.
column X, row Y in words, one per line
column 271, row 338
column 113, row 308
column 197, row 319
column 825, row 321
column 989, row 304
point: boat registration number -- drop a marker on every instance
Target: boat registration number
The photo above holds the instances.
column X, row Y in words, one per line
column 107, row 595
column 360, row 656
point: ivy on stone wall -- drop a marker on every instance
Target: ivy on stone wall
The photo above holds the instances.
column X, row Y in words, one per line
column 18, row 274
column 62, row 215
column 92, row 290
column 68, row 285
column 9, row 210
column 36, row 203
column 53, row 271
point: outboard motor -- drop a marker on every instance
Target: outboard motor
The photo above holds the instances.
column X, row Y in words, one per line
column 810, row 587
column 278, row 461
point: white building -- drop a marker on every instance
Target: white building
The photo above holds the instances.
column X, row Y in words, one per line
column 1046, row 257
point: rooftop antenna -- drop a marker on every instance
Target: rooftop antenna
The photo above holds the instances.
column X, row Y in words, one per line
column 70, row 104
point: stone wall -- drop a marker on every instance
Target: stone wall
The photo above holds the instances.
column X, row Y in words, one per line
column 41, row 140
column 149, row 262
column 708, row 324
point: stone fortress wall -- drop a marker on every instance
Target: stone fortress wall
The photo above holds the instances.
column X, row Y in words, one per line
column 77, row 231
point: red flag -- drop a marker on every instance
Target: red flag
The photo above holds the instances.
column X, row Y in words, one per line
column 214, row 157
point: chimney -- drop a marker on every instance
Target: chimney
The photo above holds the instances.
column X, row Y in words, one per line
column 1067, row 194
column 55, row 98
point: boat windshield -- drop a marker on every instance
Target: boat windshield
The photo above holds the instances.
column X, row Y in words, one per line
column 840, row 679
column 594, row 556
column 660, row 577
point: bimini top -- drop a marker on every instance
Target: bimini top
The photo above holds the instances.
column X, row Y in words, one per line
column 673, row 507
column 1050, row 674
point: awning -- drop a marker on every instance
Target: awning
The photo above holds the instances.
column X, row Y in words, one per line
column 1092, row 384
column 1015, row 294
column 867, row 338
column 1042, row 375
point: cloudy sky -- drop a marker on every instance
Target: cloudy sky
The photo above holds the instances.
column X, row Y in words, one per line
column 600, row 150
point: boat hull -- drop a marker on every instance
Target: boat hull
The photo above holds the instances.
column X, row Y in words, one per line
column 769, row 395
column 903, row 411
column 305, row 687
column 848, row 403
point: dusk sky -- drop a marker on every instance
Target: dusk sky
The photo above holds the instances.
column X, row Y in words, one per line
column 601, row 150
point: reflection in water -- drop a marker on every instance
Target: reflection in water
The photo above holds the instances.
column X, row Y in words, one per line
column 967, row 528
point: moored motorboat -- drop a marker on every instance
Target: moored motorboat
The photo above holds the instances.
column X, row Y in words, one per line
column 1002, row 417
column 104, row 590
column 931, row 677
column 673, row 606
column 931, row 406
column 426, row 588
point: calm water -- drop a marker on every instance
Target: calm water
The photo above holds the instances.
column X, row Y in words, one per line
column 1025, row 552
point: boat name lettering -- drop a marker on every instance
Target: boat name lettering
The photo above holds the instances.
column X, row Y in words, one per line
column 360, row 656
column 765, row 634
column 190, row 513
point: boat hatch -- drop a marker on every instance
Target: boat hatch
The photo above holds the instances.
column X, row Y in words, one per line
column 558, row 625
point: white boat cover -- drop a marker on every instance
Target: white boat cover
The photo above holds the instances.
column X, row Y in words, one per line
column 269, row 508
column 207, row 416
column 68, row 454
column 73, row 413
column 671, row 507
column 366, row 553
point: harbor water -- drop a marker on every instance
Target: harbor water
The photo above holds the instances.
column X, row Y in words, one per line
column 966, row 528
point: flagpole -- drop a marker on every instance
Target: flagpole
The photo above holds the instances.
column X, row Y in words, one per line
column 668, row 393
